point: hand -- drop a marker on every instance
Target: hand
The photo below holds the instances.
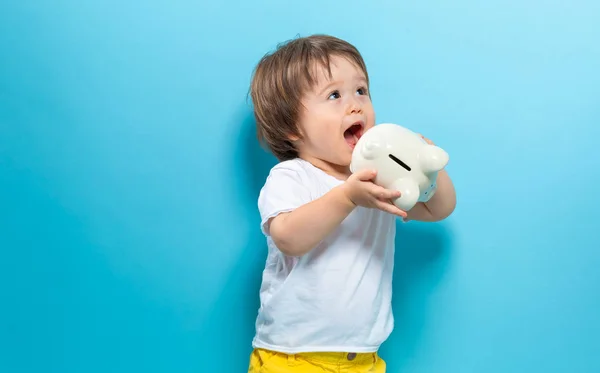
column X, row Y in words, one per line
column 361, row 191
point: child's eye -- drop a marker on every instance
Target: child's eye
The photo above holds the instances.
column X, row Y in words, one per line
column 361, row 91
column 334, row 95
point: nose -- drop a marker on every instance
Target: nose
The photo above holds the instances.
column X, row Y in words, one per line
column 354, row 106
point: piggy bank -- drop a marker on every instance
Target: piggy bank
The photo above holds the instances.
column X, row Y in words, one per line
column 404, row 161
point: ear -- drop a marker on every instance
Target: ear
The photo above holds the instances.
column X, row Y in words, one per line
column 433, row 158
column 295, row 137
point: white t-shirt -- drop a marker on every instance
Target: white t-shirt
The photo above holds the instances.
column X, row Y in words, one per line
column 337, row 297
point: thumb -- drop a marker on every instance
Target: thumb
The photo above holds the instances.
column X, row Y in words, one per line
column 366, row 174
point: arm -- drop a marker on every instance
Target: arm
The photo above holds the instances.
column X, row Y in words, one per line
column 297, row 232
column 440, row 206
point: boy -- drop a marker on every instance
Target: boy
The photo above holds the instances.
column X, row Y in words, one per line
column 326, row 291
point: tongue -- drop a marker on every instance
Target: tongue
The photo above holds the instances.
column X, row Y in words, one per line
column 350, row 138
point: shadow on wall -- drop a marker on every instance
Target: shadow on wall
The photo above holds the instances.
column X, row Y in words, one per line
column 421, row 258
column 229, row 328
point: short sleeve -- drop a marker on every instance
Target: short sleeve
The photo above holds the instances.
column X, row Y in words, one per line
column 285, row 190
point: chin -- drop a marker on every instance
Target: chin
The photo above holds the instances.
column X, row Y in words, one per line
column 339, row 162
column 345, row 160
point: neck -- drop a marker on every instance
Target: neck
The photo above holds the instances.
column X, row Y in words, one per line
column 338, row 171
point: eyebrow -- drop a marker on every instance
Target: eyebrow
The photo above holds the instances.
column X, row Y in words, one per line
column 328, row 87
column 359, row 78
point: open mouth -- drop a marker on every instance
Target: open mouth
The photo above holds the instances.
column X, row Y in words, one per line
column 353, row 134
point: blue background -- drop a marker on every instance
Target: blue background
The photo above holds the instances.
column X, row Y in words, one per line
column 129, row 174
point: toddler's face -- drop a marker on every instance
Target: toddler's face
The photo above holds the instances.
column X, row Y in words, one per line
column 336, row 112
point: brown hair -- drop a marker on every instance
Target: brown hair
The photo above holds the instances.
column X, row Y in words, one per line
column 281, row 79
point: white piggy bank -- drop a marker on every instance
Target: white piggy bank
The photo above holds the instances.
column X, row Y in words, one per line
column 403, row 160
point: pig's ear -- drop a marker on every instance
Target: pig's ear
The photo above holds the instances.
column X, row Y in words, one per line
column 370, row 144
column 371, row 148
column 433, row 158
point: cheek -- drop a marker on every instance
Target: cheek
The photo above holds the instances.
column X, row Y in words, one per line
column 367, row 104
column 370, row 114
column 325, row 136
column 317, row 133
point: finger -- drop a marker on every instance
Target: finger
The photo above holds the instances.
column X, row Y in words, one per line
column 390, row 208
column 426, row 139
column 385, row 194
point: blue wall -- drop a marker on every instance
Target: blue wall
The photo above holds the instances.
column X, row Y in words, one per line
column 129, row 174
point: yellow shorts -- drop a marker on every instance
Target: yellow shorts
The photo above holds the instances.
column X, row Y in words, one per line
column 264, row 361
